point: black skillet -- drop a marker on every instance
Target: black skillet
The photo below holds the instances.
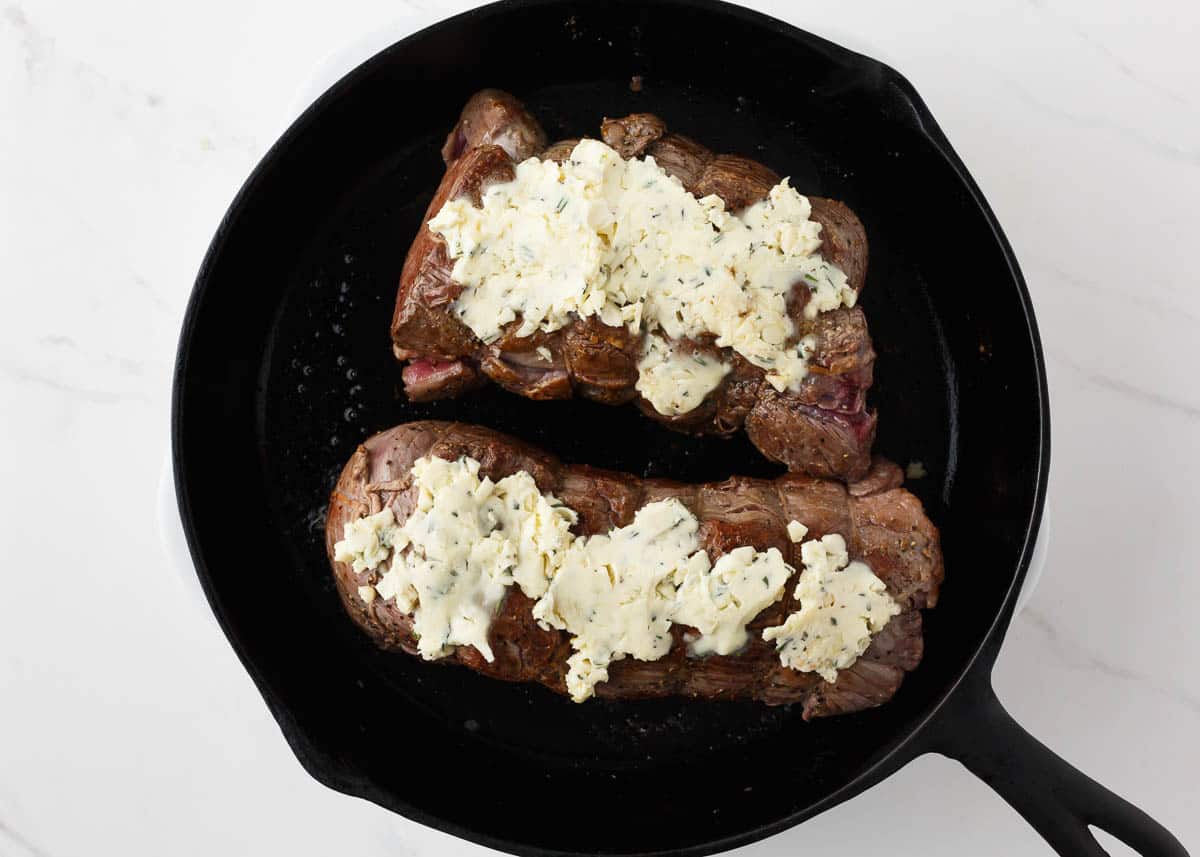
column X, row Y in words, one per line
column 284, row 366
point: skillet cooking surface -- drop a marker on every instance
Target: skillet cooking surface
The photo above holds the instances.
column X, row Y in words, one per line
column 285, row 365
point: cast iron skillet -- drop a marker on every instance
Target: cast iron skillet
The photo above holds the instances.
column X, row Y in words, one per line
column 284, row 366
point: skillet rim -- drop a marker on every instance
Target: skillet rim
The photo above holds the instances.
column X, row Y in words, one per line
column 324, row 769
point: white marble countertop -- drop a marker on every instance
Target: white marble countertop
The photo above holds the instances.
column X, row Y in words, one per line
column 127, row 725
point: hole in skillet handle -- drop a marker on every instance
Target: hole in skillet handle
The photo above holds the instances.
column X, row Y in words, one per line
column 1062, row 803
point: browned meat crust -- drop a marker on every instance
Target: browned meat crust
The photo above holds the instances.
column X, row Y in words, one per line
column 884, row 526
column 823, row 429
column 493, row 117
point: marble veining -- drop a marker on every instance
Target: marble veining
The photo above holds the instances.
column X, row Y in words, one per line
column 1072, row 25
column 1124, row 388
column 1090, row 122
column 35, row 46
column 1112, row 289
column 126, row 129
column 1075, row 655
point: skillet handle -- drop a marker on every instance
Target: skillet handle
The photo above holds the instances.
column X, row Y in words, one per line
column 1058, row 800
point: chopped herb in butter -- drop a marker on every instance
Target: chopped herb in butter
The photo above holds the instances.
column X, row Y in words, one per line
column 366, row 542
column 720, row 602
column 675, row 381
column 622, row 240
column 617, row 594
column 842, row 604
column 467, row 540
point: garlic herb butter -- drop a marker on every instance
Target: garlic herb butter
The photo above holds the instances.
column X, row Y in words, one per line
column 617, row 594
column 623, row 240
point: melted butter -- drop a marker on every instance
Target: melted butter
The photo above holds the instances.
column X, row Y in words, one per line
column 623, row 240
column 674, row 383
column 842, row 604
column 617, row 593
column 614, row 593
column 366, row 542
column 466, row 541
column 721, row 602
